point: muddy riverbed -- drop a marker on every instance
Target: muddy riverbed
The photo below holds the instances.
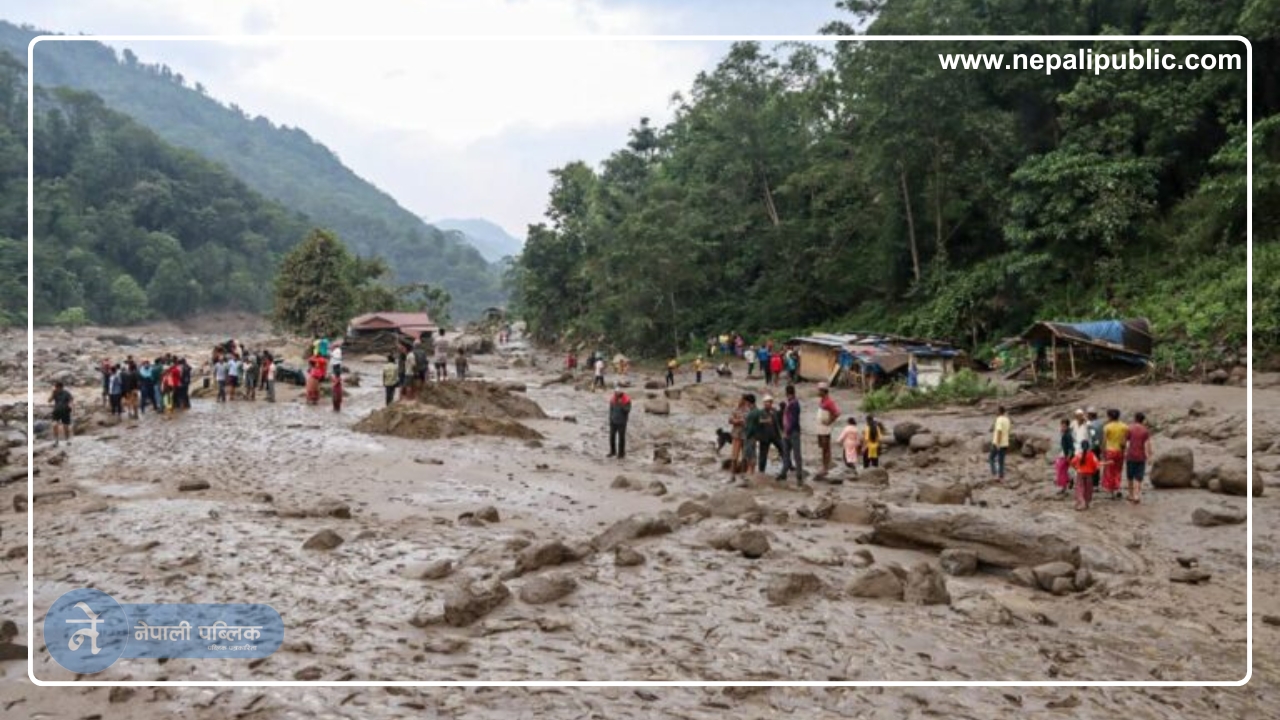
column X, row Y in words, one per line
column 280, row 473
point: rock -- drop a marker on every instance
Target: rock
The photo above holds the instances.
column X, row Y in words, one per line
column 1238, row 448
column 671, row 393
column 323, row 540
column 662, row 455
column 433, row 570
column 309, row 674
column 922, row 442
column 985, row 607
column 1062, row 586
column 956, row 493
column 852, row 513
column 626, row 556
column 751, row 543
column 958, row 561
column 657, row 406
column 874, row 476
column 1193, row 576
column 1023, row 576
column 692, row 508
column 1174, row 468
column 785, row 589
column 861, row 558
column 469, row 602
column 547, row 588
column 653, row 385
column 1083, row 579
column 622, row 482
column 192, row 485
column 1219, row 376
column 876, row 582
column 1234, row 480
column 904, row 431
column 544, row 555
column 121, row 694
column 1001, row 538
column 488, row 513
column 656, row 487
column 1213, row 516
column 1048, row 572
column 925, row 585
column 1187, row 561
column 632, row 528
column 732, row 503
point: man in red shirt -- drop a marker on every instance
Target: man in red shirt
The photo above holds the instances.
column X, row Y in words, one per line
column 1137, row 452
column 828, row 412
column 619, row 412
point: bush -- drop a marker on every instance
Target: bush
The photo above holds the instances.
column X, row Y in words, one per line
column 72, row 318
column 963, row 388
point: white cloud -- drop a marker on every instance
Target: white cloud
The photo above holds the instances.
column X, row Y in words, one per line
column 449, row 126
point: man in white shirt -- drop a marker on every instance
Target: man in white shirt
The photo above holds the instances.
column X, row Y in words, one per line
column 599, row 381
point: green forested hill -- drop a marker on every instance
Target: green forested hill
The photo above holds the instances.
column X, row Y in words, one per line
column 282, row 163
column 860, row 186
column 126, row 226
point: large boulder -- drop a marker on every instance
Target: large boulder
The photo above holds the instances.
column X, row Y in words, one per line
column 1233, row 479
column 922, row 441
column 956, row 493
column 875, row 582
column 657, row 406
column 544, row 555
column 958, row 561
column 787, row 588
column 469, row 602
column 904, row 431
column 1001, row 538
column 1047, row 573
column 925, row 585
column 751, row 543
column 633, row 528
column 1214, row 516
column 1174, row 468
column 733, row 503
column 547, row 588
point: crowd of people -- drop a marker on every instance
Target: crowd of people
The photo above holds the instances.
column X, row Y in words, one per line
column 426, row 359
column 1094, row 453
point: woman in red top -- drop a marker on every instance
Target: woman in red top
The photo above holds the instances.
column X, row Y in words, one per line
column 775, row 366
column 313, row 379
column 1085, row 463
column 169, row 387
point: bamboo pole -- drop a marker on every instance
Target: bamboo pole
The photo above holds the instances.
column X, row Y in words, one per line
column 1071, row 350
column 1035, row 374
column 1054, row 343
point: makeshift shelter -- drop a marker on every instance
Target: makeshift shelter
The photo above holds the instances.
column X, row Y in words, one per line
column 379, row 332
column 1065, row 349
column 870, row 359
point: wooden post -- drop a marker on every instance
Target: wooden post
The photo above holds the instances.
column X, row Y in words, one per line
column 1035, row 374
column 1071, row 350
column 1054, row 344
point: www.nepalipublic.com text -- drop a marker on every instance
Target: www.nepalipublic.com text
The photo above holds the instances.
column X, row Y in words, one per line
column 1088, row 60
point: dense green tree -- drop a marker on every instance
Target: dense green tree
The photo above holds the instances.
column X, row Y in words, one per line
column 314, row 292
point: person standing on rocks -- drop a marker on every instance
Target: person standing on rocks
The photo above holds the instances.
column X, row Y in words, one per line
column 251, row 371
column 750, row 356
column 871, row 437
column 62, row 401
column 183, row 399
column 1114, row 436
column 619, row 412
column 999, row 444
column 737, row 432
column 233, row 377
column 105, row 370
column 1095, row 438
column 775, row 367
column 850, row 440
column 441, row 359
column 828, row 412
column 129, row 384
column 697, row 370
column 1137, row 451
column 169, row 387
column 1062, row 464
column 599, row 369
column 791, row 436
column 672, row 364
column 336, row 390
column 421, row 365
column 115, row 391
column 1085, row 463
column 769, row 433
column 390, row 378
column 460, row 364
column 750, row 433
column 269, row 376
column 335, row 358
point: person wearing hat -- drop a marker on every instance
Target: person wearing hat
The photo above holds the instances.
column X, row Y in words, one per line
column 828, row 413
column 1079, row 430
column 769, row 433
column 619, row 412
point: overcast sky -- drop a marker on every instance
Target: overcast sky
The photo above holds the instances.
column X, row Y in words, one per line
column 450, row 128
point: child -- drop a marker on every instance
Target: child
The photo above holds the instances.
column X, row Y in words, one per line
column 1085, row 463
column 1061, row 464
column 337, row 388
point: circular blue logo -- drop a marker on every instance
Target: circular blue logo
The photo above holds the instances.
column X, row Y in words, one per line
column 86, row 630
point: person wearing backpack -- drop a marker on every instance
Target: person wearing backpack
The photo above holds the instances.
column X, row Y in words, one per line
column 390, row 378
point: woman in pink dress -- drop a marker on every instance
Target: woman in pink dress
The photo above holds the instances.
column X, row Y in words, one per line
column 851, row 441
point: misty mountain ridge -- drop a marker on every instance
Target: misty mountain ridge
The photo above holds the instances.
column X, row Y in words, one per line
column 493, row 242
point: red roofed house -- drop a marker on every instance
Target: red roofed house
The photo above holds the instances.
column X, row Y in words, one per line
column 413, row 324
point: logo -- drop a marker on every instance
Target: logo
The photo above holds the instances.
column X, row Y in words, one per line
column 87, row 630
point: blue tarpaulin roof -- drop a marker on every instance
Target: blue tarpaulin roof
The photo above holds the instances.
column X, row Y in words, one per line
column 1128, row 340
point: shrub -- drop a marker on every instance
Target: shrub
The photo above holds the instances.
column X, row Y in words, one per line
column 963, row 388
